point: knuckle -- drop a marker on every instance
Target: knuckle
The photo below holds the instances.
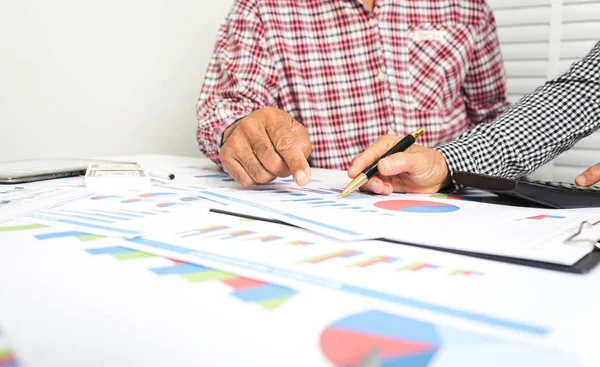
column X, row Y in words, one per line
column 261, row 147
column 284, row 144
column 264, row 177
column 244, row 180
column 245, row 124
column 278, row 167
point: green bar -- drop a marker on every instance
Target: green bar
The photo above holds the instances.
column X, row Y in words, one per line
column 456, row 272
column 411, row 266
column 332, row 254
column 25, row 227
column 5, row 353
column 272, row 304
column 247, row 220
column 132, row 255
column 439, row 196
column 203, row 276
column 362, row 262
column 90, row 237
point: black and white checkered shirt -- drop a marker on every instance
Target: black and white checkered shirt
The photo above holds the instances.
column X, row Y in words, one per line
column 536, row 129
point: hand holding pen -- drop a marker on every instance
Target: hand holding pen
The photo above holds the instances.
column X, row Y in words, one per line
column 415, row 169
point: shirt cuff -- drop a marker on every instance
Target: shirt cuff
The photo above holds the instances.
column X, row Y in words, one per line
column 228, row 118
column 457, row 158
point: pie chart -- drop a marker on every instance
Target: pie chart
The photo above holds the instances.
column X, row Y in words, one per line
column 405, row 342
column 416, row 206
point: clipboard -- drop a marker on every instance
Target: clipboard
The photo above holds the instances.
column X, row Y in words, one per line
column 587, row 233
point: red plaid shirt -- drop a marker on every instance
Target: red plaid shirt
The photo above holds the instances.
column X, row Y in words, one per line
column 350, row 76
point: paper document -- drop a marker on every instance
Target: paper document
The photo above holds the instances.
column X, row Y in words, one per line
column 20, row 200
column 440, row 220
column 127, row 213
column 119, row 295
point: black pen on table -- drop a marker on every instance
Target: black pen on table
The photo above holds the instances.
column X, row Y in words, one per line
column 165, row 176
column 370, row 171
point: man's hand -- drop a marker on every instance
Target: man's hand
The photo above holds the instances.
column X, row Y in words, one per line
column 589, row 177
column 417, row 169
column 268, row 143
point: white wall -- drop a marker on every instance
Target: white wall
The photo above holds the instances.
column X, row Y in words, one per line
column 91, row 78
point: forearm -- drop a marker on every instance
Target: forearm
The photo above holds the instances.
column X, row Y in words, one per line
column 213, row 122
column 241, row 78
column 535, row 130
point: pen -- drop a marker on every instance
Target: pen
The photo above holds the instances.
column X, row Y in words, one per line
column 165, row 176
column 370, row 171
column 372, row 359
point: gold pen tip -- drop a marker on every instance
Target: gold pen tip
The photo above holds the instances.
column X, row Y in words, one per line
column 417, row 133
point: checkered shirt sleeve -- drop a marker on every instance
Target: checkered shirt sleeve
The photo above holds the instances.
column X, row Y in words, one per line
column 241, row 77
column 535, row 130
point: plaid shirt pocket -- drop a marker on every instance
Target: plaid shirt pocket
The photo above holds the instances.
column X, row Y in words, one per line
column 437, row 63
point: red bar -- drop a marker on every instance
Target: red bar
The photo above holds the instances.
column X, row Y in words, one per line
column 424, row 266
column 332, row 256
column 242, row 283
column 539, row 217
column 383, row 259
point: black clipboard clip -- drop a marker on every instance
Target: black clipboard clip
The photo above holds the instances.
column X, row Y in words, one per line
column 588, row 233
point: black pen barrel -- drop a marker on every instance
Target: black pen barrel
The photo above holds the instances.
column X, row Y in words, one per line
column 400, row 146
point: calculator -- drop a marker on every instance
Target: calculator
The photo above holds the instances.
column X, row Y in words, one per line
column 557, row 195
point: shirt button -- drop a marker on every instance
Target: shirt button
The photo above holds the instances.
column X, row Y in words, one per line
column 382, row 76
column 373, row 22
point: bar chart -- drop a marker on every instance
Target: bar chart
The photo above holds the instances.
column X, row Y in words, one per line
column 359, row 260
column 228, row 233
column 267, row 295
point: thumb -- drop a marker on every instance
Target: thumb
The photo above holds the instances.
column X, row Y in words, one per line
column 589, row 177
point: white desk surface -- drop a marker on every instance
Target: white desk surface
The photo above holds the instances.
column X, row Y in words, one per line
column 585, row 335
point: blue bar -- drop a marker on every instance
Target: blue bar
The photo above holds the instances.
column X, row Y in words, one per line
column 352, row 254
column 124, row 214
column 164, row 246
column 99, row 215
column 179, row 269
column 141, row 213
column 191, row 234
column 216, row 175
column 307, row 199
column 263, row 293
column 319, row 206
column 96, row 226
column 48, row 236
column 365, row 292
column 80, row 217
column 110, row 250
column 214, row 201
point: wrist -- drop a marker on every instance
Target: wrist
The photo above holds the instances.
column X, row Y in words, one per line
column 228, row 131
